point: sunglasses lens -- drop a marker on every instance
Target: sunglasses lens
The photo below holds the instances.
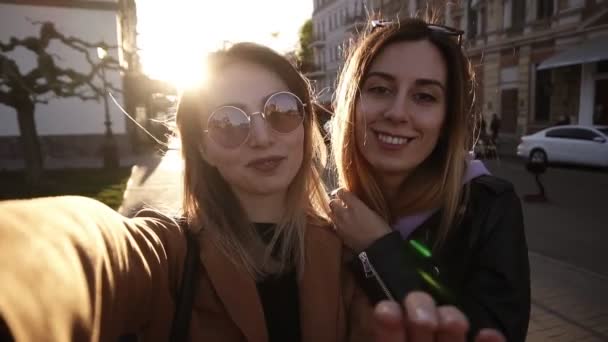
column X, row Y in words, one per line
column 284, row 112
column 228, row 126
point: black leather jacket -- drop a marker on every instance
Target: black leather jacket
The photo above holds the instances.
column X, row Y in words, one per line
column 482, row 267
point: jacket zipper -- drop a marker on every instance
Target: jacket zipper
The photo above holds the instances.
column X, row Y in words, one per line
column 370, row 272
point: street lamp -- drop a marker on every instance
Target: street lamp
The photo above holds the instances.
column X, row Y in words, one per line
column 109, row 149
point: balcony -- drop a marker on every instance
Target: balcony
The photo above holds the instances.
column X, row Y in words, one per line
column 321, row 5
column 316, row 71
column 355, row 23
column 318, row 40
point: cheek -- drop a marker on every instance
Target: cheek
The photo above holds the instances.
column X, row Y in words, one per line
column 431, row 122
column 361, row 120
column 224, row 160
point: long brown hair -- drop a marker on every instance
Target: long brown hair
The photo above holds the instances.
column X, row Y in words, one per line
column 209, row 203
column 436, row 183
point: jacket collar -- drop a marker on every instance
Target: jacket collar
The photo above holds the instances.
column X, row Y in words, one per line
column 319, row 289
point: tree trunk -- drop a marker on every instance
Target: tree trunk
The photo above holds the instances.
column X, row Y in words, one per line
column 30, row 143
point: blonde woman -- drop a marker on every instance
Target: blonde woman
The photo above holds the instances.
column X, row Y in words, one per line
column 269, row 267
column 419, row 213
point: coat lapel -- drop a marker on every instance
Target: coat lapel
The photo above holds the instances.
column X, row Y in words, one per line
column 319, row 287
column 237, row 291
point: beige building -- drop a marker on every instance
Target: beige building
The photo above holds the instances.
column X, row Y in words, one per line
column 334, row 23
column 538, row 62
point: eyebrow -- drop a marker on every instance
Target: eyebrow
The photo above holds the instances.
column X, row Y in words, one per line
column 391, row 78
column 243, row 106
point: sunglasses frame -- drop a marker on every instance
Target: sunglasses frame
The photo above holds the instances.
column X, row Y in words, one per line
column 443, row 29
column 262, row 113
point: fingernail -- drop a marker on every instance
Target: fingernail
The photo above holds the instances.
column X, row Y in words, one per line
column 389, row 308
column 423, row 314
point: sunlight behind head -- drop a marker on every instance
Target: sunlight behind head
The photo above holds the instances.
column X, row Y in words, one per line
column 174, row 36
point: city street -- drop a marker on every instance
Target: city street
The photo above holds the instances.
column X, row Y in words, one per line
column 573, row 225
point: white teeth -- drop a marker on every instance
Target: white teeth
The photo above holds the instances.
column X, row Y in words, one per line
column 389, row 139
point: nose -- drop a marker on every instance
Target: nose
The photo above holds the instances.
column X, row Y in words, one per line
column 260, row 134
column 398, row 111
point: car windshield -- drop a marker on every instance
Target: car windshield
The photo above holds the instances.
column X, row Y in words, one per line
column 604, row 130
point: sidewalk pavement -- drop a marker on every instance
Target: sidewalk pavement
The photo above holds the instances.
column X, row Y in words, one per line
column 568, row 303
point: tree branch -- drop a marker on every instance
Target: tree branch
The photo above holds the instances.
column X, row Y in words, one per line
column 6, row 99
column 48, row 77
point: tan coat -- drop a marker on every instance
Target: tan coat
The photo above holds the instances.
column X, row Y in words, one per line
column 73, row 269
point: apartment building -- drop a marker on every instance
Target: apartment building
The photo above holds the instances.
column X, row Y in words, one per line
column 538, row 62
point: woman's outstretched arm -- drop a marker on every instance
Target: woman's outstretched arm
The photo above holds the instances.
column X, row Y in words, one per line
column 73, row 269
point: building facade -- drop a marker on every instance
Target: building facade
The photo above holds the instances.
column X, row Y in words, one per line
column 70, row 128
column 538, row 62
column 335, row 22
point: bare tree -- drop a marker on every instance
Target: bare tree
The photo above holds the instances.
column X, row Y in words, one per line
column 23, row 91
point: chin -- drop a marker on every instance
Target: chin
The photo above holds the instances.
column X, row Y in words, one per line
column 270, row 187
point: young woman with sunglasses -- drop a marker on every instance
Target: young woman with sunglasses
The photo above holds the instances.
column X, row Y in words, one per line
column 416, row 209
column 270, row 265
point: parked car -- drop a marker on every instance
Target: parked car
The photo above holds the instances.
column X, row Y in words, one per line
column 569, row 144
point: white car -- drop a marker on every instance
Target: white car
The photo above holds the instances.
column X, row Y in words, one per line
column 570, row 144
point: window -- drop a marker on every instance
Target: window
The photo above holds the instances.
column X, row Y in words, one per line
column 543, row 95
column 472, row 24
column 518, row 14
column 572, row 133
column 482, row 21
column 603, row 130
column 602, row 66
column 506, row 19
column 565, row 133
column 544, row 9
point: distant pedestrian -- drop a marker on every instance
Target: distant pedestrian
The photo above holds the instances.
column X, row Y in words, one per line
column 564, row 120
column 494, row 128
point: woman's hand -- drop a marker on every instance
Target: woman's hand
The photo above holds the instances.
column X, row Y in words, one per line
column 356, row 224
column 419, row 320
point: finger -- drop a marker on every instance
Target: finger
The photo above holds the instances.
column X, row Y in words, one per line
column 389, row 323
column 489, row 335
column 453, row 325
column 337, row 206
column 422, row 319
column 348, row 198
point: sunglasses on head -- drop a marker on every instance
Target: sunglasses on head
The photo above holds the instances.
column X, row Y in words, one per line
column 230, row 126
column 442, row 29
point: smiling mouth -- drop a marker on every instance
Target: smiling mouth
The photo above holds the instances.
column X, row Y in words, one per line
column 266, row 164
column 393, row 140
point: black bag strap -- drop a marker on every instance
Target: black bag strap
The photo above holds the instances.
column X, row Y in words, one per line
column 180, row 327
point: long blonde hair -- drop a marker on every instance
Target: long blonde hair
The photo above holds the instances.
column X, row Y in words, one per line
column 209, row 203
column 436, row 183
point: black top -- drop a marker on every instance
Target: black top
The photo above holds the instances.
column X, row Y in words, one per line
column 482, row 266
column 280, row 299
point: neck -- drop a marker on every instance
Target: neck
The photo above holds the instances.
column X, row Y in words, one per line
column 263, row 208
column 390, row 184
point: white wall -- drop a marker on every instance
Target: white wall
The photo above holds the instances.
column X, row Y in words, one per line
column 63, row 116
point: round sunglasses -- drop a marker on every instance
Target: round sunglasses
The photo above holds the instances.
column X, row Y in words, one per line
column 230, row 126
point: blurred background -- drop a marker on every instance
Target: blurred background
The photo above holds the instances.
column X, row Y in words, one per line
column 71, row 71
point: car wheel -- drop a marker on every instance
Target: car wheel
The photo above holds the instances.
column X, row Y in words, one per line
column 539, row 156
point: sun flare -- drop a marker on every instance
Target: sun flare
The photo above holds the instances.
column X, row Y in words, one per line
column 175, row 36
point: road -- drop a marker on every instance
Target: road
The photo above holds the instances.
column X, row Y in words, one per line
column 573, row 225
